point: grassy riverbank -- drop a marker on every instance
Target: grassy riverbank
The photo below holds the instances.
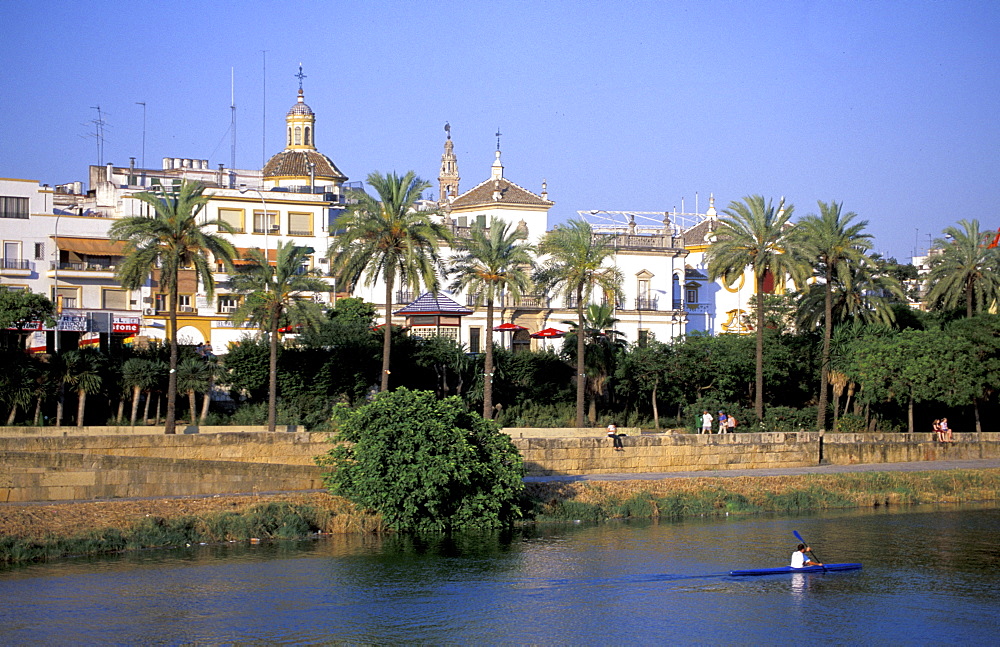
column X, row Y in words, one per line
column 45, row 532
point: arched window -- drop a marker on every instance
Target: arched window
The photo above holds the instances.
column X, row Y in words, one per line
column 307, row 142
column 289, row 136
column 298, row 135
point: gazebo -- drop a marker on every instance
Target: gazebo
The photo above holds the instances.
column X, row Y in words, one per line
column 435, row 315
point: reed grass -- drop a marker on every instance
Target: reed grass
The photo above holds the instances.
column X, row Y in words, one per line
column 676, row 498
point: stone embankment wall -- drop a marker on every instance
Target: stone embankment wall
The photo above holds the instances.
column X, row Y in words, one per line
column 116, row 465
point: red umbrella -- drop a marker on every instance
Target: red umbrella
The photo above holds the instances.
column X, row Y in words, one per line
column 509, row 327
column 548, row 333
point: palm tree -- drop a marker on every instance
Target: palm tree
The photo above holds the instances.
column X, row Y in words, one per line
column 140, row 375
column 491, row 262
column 390, row 240
column 274, row 299
column 171, row 240
column 603, row 347
column 193, row 375
column 83, row 372
column 576, row 267
column 967, row 269
column 753, row 235
column 833, row 245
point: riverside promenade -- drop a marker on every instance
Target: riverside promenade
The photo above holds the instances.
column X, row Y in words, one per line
column 914, row 466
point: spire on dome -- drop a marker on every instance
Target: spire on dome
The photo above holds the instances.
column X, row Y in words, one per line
column 300, row 76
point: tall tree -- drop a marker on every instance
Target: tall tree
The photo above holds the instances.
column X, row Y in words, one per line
column 139, row 374
column 967, row 269
column 84, row 373
column 388, row 239
column 753, row 235
column 832, row 243
column 171, row 240
column 492, row 262
column 274, row 298
column 576, row 266
column 603, row 347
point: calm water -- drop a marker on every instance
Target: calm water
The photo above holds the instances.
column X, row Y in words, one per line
column 930, row 577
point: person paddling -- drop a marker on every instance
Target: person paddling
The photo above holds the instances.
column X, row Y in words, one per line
column 799, row 558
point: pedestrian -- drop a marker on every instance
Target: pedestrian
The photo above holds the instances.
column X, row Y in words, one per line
column 731, row 423
column 615, row 437
column 722, row 422
column 706, row 422
column 936, row 427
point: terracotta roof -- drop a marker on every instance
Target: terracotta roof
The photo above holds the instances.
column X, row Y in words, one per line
column 429, row 303
column 510, row 194
column 295, row 163
column 697, row 235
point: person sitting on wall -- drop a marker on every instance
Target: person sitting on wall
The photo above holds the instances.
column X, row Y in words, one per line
column 799, row 558
column 945, row 431
column 615, row 437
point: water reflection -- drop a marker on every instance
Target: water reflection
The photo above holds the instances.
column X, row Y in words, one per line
column 930, row 577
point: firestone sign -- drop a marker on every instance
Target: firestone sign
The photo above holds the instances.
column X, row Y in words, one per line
column 127, row 325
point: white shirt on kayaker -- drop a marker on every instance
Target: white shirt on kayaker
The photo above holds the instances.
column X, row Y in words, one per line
column 798, row 559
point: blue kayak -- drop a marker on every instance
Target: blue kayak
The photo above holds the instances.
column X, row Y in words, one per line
column 805, row 569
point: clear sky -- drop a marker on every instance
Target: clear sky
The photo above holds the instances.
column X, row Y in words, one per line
column 889, row 107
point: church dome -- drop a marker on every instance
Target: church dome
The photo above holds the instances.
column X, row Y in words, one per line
column 295, row 163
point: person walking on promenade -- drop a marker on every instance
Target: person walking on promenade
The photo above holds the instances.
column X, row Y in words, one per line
column 723, row 419
column 706, row 422
column 731, row 423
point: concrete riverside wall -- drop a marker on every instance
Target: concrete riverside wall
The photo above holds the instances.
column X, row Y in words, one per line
column 16, row 432
column 48, row 476
column 245, row 447
column 852, row 449
column 565, row 432
column 667, row 453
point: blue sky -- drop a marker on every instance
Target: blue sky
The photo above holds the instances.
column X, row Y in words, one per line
column 889, row 107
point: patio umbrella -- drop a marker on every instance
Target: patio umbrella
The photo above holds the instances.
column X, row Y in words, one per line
column 509, row 327
column 548, row 333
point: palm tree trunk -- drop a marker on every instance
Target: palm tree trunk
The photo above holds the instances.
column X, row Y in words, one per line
column 272, row 372
column 192, row 406
column 758, row 396
column 909, row 416
column 60, row 402
column 38, row 410
column 121, row 408
column 488, row 363
column 13, row 414
column 170, row 422
column 387, row 335
column 159, row 401
column 206, row 401
column 145, row 411
column 824, row 373
column 81, row 407
column 975, row 409
column 581, row 377
column 656, row 411
column 136, row 392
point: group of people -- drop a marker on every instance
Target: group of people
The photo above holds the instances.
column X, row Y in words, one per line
column 942, row 431
column 727, row 423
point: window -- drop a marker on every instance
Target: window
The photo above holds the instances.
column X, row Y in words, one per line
column 39, row 251
column 307, row 142
column 184, row 303
column 233, row 218
column 289, row 137
column 114, row 299
column 643, row 338
column 474, row 336
column 298, row 135
column 68, row 297
column 692, row 295
column 265, row 223
column 11, row 207
column 300, row 224
column 228, row 303
column 161, row 303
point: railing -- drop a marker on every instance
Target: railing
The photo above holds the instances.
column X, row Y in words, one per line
column 300, row 232
column 652, row 241
column 646, row 303
column 404, row 296
column 80, row 266
column 16, row 264
column 533, row 301
column 700, row 308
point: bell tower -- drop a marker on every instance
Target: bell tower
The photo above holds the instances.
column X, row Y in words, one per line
column 300, row 123
column 448, row 179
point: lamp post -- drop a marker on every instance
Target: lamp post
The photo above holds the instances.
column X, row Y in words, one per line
column 267, row 220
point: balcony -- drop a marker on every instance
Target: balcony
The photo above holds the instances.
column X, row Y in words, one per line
column 300, row 232
column 82, row 269
column 533, row 302
column 646, row 303
column 405, row 296
column 15, row 267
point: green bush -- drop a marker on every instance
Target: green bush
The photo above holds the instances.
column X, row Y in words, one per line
column 425, row 464
column 851, row 423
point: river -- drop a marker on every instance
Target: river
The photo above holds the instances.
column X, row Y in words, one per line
column 930, row 577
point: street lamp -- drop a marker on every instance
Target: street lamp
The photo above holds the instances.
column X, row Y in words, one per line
column 267, row 220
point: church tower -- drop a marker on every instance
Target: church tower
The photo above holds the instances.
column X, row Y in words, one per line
column 300, row 164
column 448, row 179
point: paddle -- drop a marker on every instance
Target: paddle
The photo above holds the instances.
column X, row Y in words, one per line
column 803, row 541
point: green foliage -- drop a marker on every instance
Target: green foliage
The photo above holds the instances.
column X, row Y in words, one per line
column 851, row 423
column 246, row 367
column 21, row 307
column 425, row 464
column 966, row 272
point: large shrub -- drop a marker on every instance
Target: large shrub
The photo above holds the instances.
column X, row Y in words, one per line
column 425, row 464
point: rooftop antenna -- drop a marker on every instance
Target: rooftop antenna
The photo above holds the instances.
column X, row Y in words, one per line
column 232, row 124
column 143, row 104
column 99, row 134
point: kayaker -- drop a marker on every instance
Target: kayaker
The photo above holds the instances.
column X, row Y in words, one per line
column 799, row 558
